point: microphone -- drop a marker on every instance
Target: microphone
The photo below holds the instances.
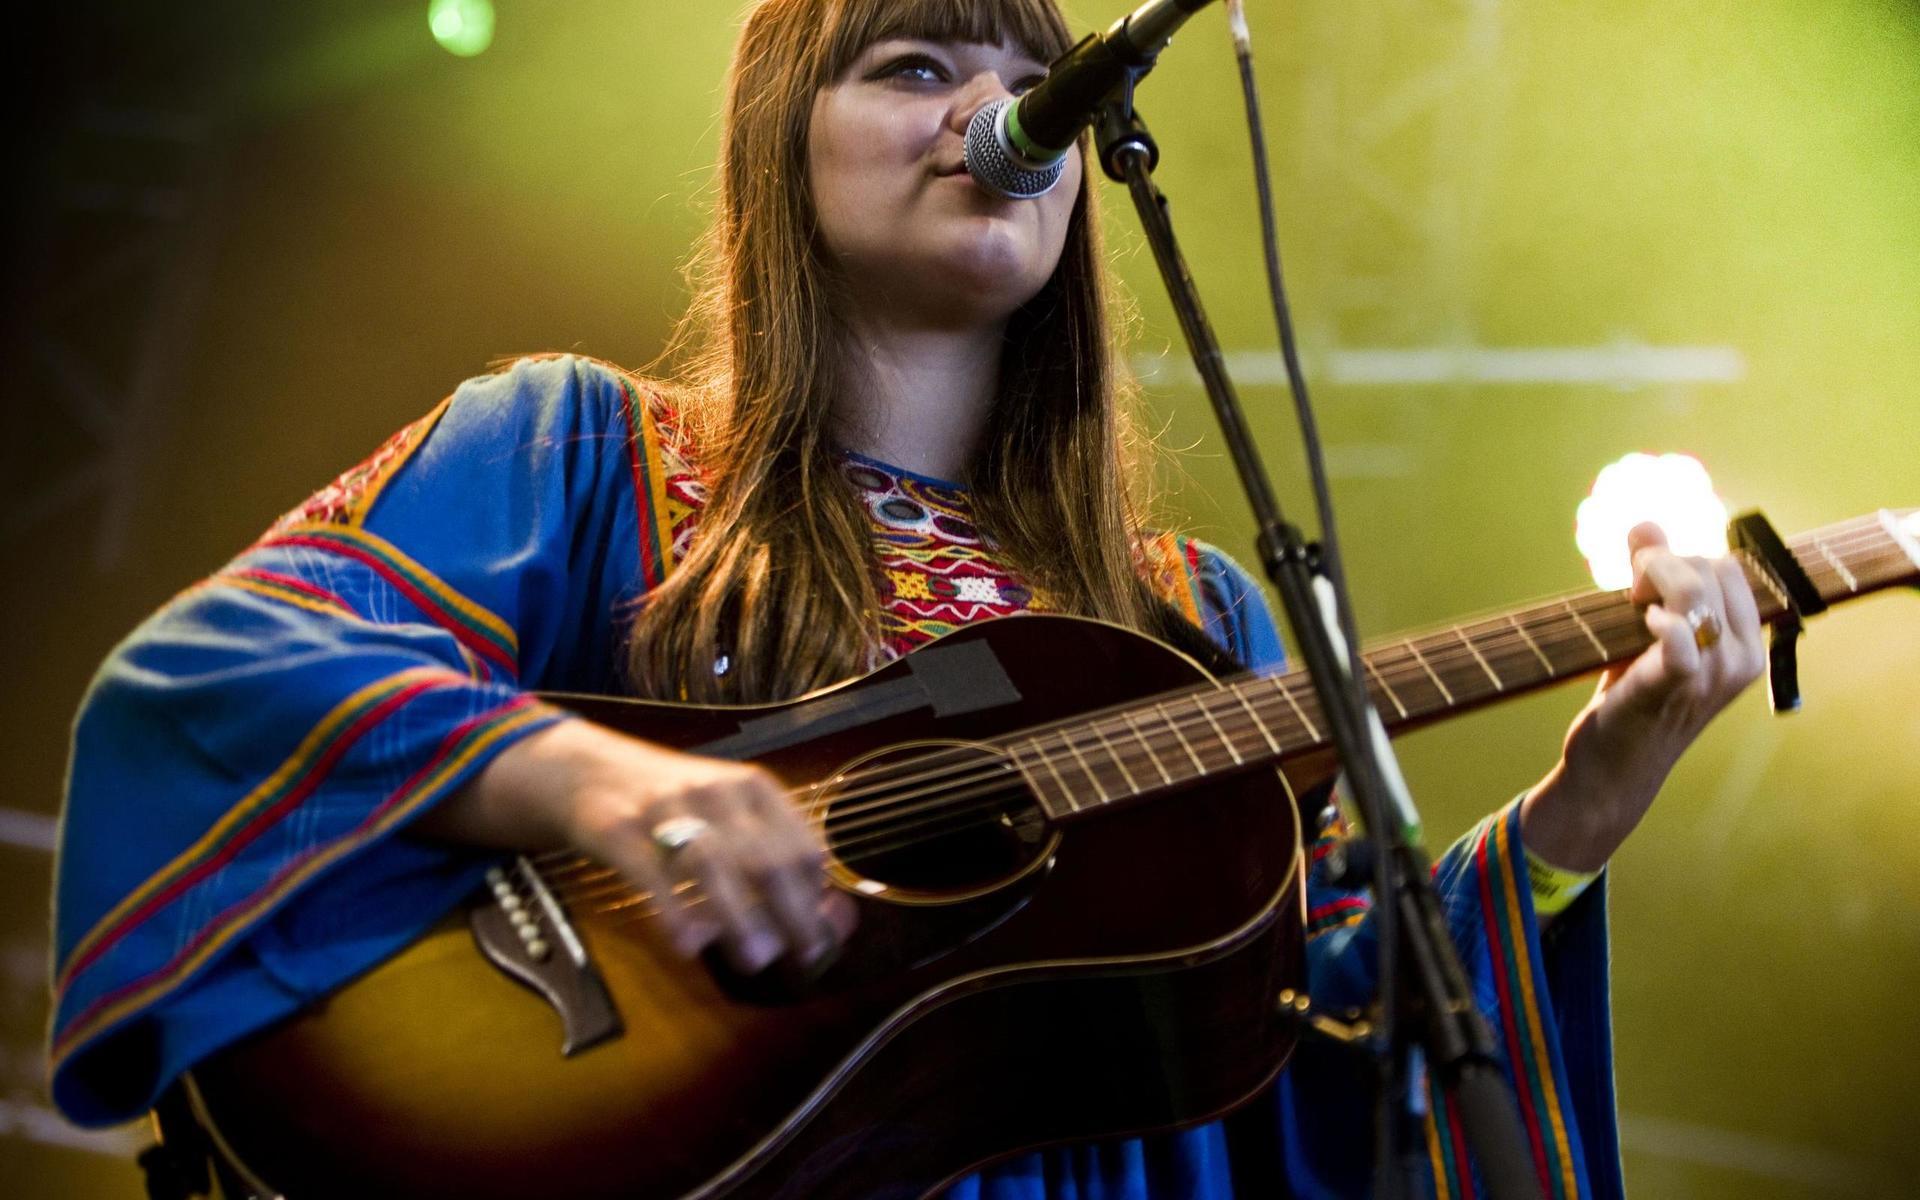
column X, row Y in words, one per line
column 1018, row 148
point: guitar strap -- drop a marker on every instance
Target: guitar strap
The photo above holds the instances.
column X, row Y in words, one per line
column 179, row 1163
column 187, row 1159
column 1186, row 637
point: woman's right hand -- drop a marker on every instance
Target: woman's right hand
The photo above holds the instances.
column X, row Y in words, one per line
column 665, row 819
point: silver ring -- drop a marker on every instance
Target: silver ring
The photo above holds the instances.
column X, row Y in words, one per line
column 1705, row 624
column 675, row 833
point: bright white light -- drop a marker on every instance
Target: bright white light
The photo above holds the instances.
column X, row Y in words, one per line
column 463, row 27
column 1671, row 490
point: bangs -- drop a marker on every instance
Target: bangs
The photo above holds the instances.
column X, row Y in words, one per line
column 1035, row 26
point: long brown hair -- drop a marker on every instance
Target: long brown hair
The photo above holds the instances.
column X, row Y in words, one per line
column 779, row 579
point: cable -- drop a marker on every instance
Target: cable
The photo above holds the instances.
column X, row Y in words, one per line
column 1387, row 1111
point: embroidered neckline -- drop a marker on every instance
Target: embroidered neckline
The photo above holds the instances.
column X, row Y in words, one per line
column 878, row 464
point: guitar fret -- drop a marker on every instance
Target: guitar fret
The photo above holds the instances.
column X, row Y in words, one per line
column 1531, row 644
column 1839, row 559
column 1312, row 732
column 1499, row 685
column 1046, row 760
column 1853, row 585
column 1118, row 761
column 1253, row 715
column 1201, row 704
column 1086, row 769
column 1755, row 570
column 1367, row 662
column 1445, row 694
column 1148, row 747
column 1584, row 627
column 1198, row 766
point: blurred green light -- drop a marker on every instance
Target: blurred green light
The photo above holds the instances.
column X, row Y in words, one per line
column 464, row 27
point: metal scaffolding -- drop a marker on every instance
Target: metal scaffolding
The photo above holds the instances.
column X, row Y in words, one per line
column 1403, row 119
column 121, row 246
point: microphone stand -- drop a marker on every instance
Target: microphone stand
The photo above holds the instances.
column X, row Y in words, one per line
column 1421, row 973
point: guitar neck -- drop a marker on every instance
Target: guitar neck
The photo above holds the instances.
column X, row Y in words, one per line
column 1185, row 737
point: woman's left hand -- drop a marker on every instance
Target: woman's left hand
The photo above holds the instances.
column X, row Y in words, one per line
column 1707, row 649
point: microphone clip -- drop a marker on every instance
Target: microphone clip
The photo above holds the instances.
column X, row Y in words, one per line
column 1119, row 133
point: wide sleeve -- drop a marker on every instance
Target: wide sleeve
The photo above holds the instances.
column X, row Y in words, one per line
column 242, row 762
column 1545, row 995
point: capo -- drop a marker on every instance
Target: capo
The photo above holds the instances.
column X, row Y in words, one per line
column 1754, row 534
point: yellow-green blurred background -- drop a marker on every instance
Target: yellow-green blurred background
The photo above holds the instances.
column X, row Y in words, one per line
column 1705, row 217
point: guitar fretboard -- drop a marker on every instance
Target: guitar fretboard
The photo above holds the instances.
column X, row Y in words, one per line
column 1177, row 739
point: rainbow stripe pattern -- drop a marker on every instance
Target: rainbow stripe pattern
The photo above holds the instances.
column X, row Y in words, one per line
column 1484, row 880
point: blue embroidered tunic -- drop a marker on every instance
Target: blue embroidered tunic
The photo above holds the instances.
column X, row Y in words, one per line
column 244, row 760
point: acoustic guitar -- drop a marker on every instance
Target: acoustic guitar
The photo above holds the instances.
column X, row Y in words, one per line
column 1081, row 884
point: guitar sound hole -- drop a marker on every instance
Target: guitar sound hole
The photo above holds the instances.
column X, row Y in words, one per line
column 934, row 819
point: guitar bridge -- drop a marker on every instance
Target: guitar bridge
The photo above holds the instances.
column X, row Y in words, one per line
column 522, row 928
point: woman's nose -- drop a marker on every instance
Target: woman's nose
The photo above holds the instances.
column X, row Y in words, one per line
column 972, row 96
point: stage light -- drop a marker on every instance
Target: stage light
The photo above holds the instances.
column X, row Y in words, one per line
column 1671, row 490
column 463, row 27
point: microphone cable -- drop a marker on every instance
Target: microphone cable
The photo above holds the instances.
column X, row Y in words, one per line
column 1390, row 1106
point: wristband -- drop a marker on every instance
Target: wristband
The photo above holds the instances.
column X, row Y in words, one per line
column 1554, row 888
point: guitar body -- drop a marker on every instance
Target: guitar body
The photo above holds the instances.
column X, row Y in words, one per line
column 1019, row 984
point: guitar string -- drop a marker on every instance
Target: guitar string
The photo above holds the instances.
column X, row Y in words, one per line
column 1405, row 672
column 1083, row 736
column 929, row 822
column 887, row 781
column 1001, row 781
column 994, row 785
column 942, row 825
column 1001, row 775
column 1505, row 644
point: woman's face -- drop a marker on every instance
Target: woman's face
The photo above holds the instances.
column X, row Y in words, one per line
column 908, row 229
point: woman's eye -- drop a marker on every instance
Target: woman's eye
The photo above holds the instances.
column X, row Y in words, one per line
column 918, row 67
column 1022, row 86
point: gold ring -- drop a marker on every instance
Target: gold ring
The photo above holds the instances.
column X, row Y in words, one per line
column 1706, row 626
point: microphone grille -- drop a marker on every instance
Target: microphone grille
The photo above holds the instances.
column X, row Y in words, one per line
column 993, row 164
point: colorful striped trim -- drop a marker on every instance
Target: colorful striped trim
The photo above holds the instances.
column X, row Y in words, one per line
column 1523, row 1024
column 1435, row 1156
column 1347, row 922
column 1436, row 1162
column 1338, row 914
column 466, row 742
column 1171, row 566
column 301, row 594
column 391, row 458
column 286, row 589
column 1186, row 587
column 1446, row 1146
column 649, row 485
column 351, row 495
column 1457, row 1153
column 473, row 626
column 290, row 782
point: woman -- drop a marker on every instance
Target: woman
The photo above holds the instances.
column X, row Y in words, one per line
column 897, row 413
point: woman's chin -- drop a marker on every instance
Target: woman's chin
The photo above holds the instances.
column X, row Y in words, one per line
column 996, row 258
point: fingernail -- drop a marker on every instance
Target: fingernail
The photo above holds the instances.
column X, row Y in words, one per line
column 758, row 950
